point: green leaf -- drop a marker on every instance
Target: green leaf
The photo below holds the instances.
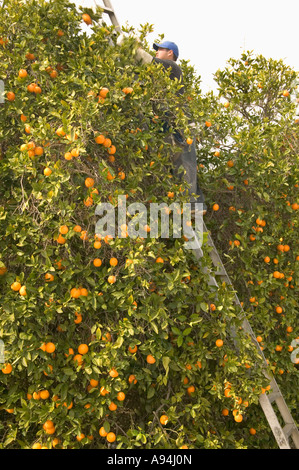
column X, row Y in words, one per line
column 118, row 342
column 165, row 362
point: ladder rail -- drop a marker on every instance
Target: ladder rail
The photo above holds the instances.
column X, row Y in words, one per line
column 109, row 10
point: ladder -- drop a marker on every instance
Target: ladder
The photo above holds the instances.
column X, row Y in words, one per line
column 286, row 434
column 108, row 9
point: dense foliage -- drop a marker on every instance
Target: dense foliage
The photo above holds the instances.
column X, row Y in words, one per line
column 123, row 341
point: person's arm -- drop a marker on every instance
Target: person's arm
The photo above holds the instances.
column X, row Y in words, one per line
column 144, row 56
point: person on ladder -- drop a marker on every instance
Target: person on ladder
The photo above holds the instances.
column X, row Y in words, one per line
column 167, row 54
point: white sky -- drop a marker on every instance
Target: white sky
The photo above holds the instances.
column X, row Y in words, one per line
column 209, row 33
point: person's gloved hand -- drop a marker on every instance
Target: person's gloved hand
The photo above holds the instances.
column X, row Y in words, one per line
column 139, row 53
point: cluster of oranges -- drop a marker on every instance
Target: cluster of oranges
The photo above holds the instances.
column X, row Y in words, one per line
column 16, row 286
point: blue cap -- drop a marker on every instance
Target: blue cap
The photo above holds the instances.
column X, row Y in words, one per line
column 168, row 45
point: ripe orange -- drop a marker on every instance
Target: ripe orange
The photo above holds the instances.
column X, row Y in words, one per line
column 78, row 358
column 100, row 139
column 132, row 379
column 159, row 260
column 75, row 152
column 97, row 262
column 3, row 270
column 47, row 171
column 252, row 431
column 225, row 412
column 89, row 182
column 259, row 339
column 208, row 123
column 113, row 261
column 75, row 292
column 94, row 383
column 191, row 389
column 219, row 343
column 215, row 207
column 107, row 143
column 80, row 436
column 189, row 141
column 164, row 419
column 112, row 406
column 104, row 92
column 49, row 429
column 31, row 87
column 112, row 150
column 44, row 394
column 86, row 18
column 150, row 359
column 16, row 286
column 22, row 291
column 68, row 156
column 36, row 445
column 88, row 201
column 83, row 349
column 113, row 373
column 48, row 425
column 23, row 73
column 127, row 90
column 111, row 279
column 277, row 274
column 63, row 229
column 103, row 391
column 278, row 309
column 7, row 368
column 111, row 437
column 49, row 277
column 83, row 291
column 10, row 96
column 267, row 259
column 132, row 350
column 38, row 151
column 102, row 432
column 238, row 418
column 30, row 56
column 50, row 347
column 121, row 396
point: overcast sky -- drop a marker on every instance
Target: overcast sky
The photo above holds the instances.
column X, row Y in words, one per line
column 208, row 33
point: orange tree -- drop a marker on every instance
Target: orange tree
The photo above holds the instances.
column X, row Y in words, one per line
column 249, row 165
column 112, row 341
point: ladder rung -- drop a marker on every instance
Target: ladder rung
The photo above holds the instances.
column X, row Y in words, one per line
column 107, row 10
column 221, row 273
column 288, row 429
column 273, row 396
